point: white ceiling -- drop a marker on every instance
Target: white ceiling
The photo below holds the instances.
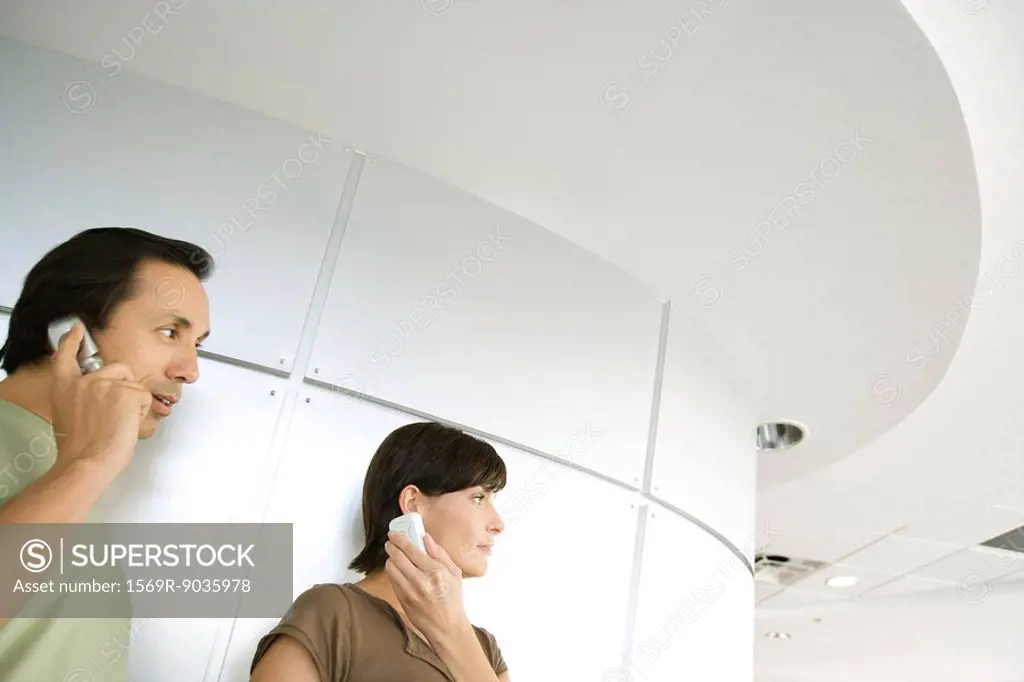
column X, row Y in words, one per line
column 520, row 103
column 953, row 469
column 553, row 110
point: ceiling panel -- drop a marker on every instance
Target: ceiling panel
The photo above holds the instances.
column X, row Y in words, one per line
column 896, row 555
column 798, row 599
column 973, row 565
column 909, row 584
column 965, row 525
column 823, row 543
column 866, row 580
column 764, row 590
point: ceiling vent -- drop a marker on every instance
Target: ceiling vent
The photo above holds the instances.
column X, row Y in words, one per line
column 1011, row 541
column 775, row 569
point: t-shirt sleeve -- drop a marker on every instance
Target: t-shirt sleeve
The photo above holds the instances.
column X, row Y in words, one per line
column 319, row 620
column 490, row 644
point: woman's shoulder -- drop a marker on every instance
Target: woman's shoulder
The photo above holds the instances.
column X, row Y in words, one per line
column 484, row 633
column 313, row 619
column 341, row 599
column 319, row 602
column 323, row 593
column 490, row 645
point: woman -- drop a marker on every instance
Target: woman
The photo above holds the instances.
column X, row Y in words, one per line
column 405, row 619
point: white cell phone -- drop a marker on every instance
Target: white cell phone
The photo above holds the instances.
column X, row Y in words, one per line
column 89, row 359
column 411, row 526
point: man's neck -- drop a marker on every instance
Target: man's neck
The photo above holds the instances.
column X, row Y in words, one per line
column 29, row 388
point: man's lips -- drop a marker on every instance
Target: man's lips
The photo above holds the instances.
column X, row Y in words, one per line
column 164, row 402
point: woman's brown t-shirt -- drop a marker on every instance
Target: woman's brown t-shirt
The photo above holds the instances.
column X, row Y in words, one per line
column 353, row 635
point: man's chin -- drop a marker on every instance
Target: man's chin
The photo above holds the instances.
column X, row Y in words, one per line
column 149, row 427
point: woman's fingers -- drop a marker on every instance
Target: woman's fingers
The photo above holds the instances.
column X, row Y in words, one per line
column 433, row 583
column 397, row 556
column 399, row 580
column 440, row 555
column 417, row 558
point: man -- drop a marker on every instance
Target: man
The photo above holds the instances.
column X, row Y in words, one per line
column 65, row 435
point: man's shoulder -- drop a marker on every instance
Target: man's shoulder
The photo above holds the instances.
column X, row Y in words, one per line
column 27, row 449
column 53, row 649
column 24, row 429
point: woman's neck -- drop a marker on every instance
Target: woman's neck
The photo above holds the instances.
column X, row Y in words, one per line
column 379, row 585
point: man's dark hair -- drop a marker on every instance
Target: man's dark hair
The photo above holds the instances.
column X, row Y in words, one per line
column 88, row 275
column 435, row 458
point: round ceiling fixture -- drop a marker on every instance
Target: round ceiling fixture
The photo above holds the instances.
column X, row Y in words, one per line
column 778, row 635
column 773, row 436
column 841, row 581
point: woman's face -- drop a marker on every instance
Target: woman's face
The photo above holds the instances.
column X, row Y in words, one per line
column 465, row 523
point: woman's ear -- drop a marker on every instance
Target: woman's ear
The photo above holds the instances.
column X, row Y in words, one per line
column 410, row 499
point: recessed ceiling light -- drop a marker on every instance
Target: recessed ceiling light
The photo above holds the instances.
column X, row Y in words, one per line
column 778, row 635
column 841, row 581
column 773, row 436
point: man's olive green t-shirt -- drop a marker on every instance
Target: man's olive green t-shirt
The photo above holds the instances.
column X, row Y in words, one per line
column 352, row 635
column 57, row 649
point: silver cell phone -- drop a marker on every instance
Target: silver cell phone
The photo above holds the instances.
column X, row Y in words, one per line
column 89, row 359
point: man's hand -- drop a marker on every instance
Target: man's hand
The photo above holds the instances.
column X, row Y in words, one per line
column 429, row 587
column 96, row 417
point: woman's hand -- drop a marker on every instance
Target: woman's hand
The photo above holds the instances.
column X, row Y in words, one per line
column 429, row 587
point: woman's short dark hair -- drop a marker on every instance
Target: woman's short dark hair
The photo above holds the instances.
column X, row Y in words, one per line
column 435, row 458
column 88, row 275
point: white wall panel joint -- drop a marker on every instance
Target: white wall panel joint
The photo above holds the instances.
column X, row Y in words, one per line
column 659, row 373
column 634, row 586
column 738, row 551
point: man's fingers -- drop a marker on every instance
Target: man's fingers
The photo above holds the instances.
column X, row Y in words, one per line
column 116, row 371
column 65, row 361
column 143, row 394
column 122, row 380
column 135, row 386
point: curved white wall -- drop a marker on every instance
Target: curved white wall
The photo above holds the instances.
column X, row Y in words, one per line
column 354, row 295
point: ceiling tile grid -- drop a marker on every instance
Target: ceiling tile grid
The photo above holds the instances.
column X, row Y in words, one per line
column 965, row 525
column 973, row 565
column 898, row 555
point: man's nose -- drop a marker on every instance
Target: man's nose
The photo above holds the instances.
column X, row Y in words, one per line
column 187, row 371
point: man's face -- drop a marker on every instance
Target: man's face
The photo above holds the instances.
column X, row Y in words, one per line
column 157, row 333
